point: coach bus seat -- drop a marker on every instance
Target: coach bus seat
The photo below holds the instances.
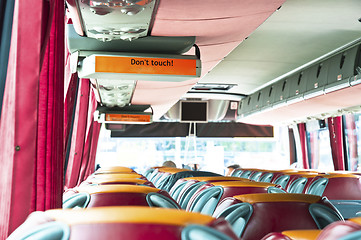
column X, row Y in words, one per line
column 159, row 200
column 266, row 177
column 171, row 181
column 119, row 195
column 245, row 174
column 176, row 191
column 237, row 172
column 317, row 187
column 209, row 195
column 276, row 213
column 323, row 215
column 237, row 215
column 282, row 181
column 341, row 230
column 255, row 176
column 293, row 235
column 48, row 231
column 207, row 200
column 343, row 191
column 188, row 194
column 79, row 200
column 114, row 223
column 275, row 190
column 200, row 232
column 297, row 185
column 352, row 236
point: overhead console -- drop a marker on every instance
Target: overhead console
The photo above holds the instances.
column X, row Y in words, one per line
column 110, row 44
column 112, row 19
column 339, row 71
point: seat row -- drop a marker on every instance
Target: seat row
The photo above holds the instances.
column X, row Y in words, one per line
column 254, row 209
column 343, row 189
column 183, row 204
column 117, row 203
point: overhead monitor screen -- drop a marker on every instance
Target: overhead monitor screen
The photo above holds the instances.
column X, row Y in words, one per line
column 194, row 111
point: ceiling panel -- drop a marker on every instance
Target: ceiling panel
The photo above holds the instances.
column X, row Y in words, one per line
column 301, row 31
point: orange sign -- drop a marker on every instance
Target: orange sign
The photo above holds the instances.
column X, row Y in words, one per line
column 138, row 65
column 115, row 117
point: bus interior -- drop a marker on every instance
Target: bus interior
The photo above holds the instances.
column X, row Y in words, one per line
column 192, row 120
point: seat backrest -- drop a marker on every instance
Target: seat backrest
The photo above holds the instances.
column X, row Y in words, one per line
column 317, row 187
column 148, row 172
column 119, row 195
column 279, row 212
column 266, row 177
column 245, row 174
column 294, row 235
column 47, row 231
column 255, row 176
column 237, row 215
column 323, row 215
column 172, row 180
column 340, row 230
column 159, row 200
column 125, row 222
column 176, row 190
column 187, row 194
column 343, row 187
column 200, row 232
column 282, row 180
column 78, row 200
column 237, row 172
column 207, row 200
column 297, row 185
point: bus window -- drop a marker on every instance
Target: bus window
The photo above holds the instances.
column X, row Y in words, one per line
column 319, row 148
column 352, row 123
column 210, row 154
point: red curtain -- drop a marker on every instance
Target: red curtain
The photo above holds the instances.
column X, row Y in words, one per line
column 48, row 180
column 31, row 120
column 336, row 140
column 84, row 137
column 303, row 140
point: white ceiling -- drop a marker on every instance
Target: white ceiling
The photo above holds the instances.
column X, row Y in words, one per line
column 299, row 32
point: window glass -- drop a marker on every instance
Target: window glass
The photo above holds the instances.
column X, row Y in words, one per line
column 210, row 154
column 318, row 146
column 352, row 123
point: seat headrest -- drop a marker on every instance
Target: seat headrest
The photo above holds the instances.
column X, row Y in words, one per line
column 172, row 170
column 126, row 214
column 216, row 178
column 302, row 234
column 243, row 184
column 115, row 175
column 278, row 197
column 93, row 189
column 117, row 179
column 114, row 169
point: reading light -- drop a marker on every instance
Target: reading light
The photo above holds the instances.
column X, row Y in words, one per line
column 125, row 19
column 115, row 93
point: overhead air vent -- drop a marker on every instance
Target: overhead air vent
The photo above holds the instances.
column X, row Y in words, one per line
column 113, row 19
column 212, row 87
column 115, row 93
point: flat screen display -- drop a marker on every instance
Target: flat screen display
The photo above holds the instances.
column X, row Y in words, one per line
column 194, row 111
